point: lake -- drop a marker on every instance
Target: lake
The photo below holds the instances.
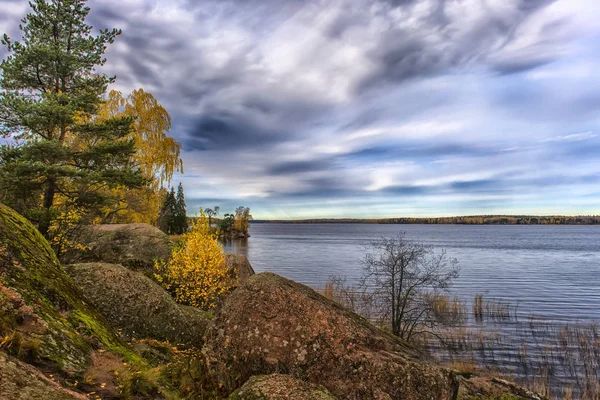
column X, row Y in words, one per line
column 551, row 271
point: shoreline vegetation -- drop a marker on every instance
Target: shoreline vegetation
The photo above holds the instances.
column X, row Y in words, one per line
column 464, row 220
column 557, row 359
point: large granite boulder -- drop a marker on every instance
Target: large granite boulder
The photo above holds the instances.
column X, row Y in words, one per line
column 280, row 387
column 134, row 246
column 137, row 306
column 271, row 325
column 44, row 317
column 274, row 325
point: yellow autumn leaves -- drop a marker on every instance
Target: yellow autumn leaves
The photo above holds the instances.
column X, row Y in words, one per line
column 157, row 155
column 196, row 274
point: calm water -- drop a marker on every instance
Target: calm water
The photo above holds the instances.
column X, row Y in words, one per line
column 551, row 271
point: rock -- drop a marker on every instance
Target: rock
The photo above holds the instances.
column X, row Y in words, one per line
column 134, row 246
column 476, row 387
column 19, row 381
column 271, row 324
column 138, row 306
column 44, row 317
column 280, row 387
column 240, row 264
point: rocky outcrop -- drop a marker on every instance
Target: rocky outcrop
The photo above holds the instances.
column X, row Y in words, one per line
column 280, row 387
column 271, row 324
column 480, row 387
column 138, row 306
column 134, row 246
column 241, row 267
column 44, row 317
column 19, row 381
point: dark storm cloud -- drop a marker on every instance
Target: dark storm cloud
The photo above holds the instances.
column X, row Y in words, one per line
column 106, row 16
column 515, row 66
column 296, row 167
column 227, row 131
column 476, row 185
column 500, row 183
column 533, row 5
column 412, row 150
column 435, row 47
column 407, row 190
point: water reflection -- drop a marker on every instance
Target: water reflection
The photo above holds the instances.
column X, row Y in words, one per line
column 235, row 245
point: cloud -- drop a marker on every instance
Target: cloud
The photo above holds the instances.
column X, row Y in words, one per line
column 573, row 137
column 378, row 106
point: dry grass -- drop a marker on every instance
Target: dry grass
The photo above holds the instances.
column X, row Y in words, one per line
column 557, row 360
column 484, row 309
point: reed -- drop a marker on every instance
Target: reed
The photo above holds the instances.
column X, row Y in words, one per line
column 478, row 307
column 328, row 291
column 557, row 360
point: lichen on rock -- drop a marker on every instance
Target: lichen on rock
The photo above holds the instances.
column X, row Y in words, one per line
column 273, row 325
column 280, row 387
column 19, row 381
column 134, row 246
column 138, row 306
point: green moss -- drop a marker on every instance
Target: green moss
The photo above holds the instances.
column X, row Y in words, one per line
column 139, row 385
column 68, row 327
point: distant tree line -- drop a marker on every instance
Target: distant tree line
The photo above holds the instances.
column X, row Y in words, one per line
column 467, row 220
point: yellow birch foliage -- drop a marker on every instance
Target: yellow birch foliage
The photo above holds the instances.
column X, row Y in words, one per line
column 141, row 205
column 157, row 154
column 197, row 274
column 63, row 229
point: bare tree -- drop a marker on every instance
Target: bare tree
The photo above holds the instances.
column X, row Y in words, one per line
column 403, row 277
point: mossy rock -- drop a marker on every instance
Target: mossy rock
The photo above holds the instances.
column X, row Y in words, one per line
column 280, row 387
column 42, row 311
column 19, row 381
column 134, row 246
column 138, row 306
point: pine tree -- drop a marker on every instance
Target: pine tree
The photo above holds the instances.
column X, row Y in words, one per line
column 50, row 94
column 180, row 211
column 167, row 218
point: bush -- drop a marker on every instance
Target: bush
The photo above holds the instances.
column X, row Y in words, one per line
column 196, row 274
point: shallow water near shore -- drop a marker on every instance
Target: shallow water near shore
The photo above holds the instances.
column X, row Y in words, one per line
column 550, row 271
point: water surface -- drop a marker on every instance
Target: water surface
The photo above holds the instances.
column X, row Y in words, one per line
column 551, row 271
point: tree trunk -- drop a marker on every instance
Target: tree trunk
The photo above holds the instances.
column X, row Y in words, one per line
column 44, row 224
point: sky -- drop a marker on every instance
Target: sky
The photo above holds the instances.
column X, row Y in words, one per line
column 369, row 108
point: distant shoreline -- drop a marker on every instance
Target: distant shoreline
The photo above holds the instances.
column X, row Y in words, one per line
column 465, row 220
